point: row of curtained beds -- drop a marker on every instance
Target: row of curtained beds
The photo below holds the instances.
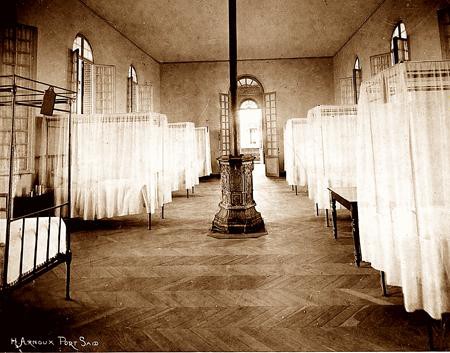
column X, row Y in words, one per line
column 126, row 164
column 96, row 166
column 393, row 147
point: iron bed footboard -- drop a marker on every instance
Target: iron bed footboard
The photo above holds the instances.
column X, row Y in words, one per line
column 62, row 255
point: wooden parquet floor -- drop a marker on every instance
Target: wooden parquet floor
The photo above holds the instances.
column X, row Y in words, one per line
column 176, row 289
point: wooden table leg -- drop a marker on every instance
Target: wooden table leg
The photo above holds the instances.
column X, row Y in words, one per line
column 355, row 233
column 334, row 217
column 383, row 284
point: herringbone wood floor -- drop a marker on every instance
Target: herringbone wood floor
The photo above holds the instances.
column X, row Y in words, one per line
column 175, row 289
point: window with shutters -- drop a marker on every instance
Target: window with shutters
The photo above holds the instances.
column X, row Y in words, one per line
column 103, row 89
column 18, row 53
column 84, row 56
column 132, row 90
column 225, row 136
column 379, row 63
column 357, row 78
column 270, row 113
column 347, row 93
column 98, row 89
column 444, row 29
column 399, row 44
column 145, row 98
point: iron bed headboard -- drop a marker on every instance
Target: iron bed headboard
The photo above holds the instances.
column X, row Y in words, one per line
column 15, row 91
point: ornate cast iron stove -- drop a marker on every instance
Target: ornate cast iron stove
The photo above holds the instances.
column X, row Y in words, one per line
column 237, row 217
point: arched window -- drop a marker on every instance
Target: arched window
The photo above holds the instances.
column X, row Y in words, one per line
column 357, row 78
column 250, row 125
column 249, row 104
column 132, row 74
column 84, row 57
column 132, row 90
column 399, row 44
column 95, row 84
column 357, row 65
column 444, row 30
column 84, row 48
column 248, row 82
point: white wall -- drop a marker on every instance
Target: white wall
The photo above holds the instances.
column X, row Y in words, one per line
column 420, row 18
column 59, row 21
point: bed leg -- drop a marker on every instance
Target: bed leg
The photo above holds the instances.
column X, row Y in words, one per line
column 437, row 332
column 296, row 192
column 68, row 263
column 187, row 193
column 193, row 190
column 327, row 218
column 384, row 290
column 292, row 187
column 317, row 210
column 149, row 221
column 162, row 212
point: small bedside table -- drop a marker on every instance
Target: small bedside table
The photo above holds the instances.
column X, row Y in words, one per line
column 24, row 205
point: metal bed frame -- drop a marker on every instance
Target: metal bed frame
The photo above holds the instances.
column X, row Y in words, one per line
column 16, row 91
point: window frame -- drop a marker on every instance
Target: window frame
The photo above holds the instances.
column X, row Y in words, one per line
column 82, row 60
column 399, row 34
column 27, row 36
column 444, row 35
column 132, row 90
column 256, row 106
column 357, row 78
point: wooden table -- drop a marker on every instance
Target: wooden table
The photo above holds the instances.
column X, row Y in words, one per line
column 347, row 198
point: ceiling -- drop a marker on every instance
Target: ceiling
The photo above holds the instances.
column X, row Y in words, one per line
column 197, row 30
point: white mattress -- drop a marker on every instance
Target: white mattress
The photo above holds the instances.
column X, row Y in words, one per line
column 29, row 244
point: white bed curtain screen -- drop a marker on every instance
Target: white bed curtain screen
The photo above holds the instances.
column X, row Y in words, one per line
column 203, row 151
column 181, row 146
column 331, row 150
column 117, row 164
column 164, row 178
column 52, row 147
column 404, row 180
column 295, row 153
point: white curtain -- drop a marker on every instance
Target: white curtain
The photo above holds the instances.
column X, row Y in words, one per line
column 164, row 180
column 404, row 180
column 117, row 164
column 295, row 151
column 181, row 144
column 52, row 156
column 331, row 150
column 203, row 151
